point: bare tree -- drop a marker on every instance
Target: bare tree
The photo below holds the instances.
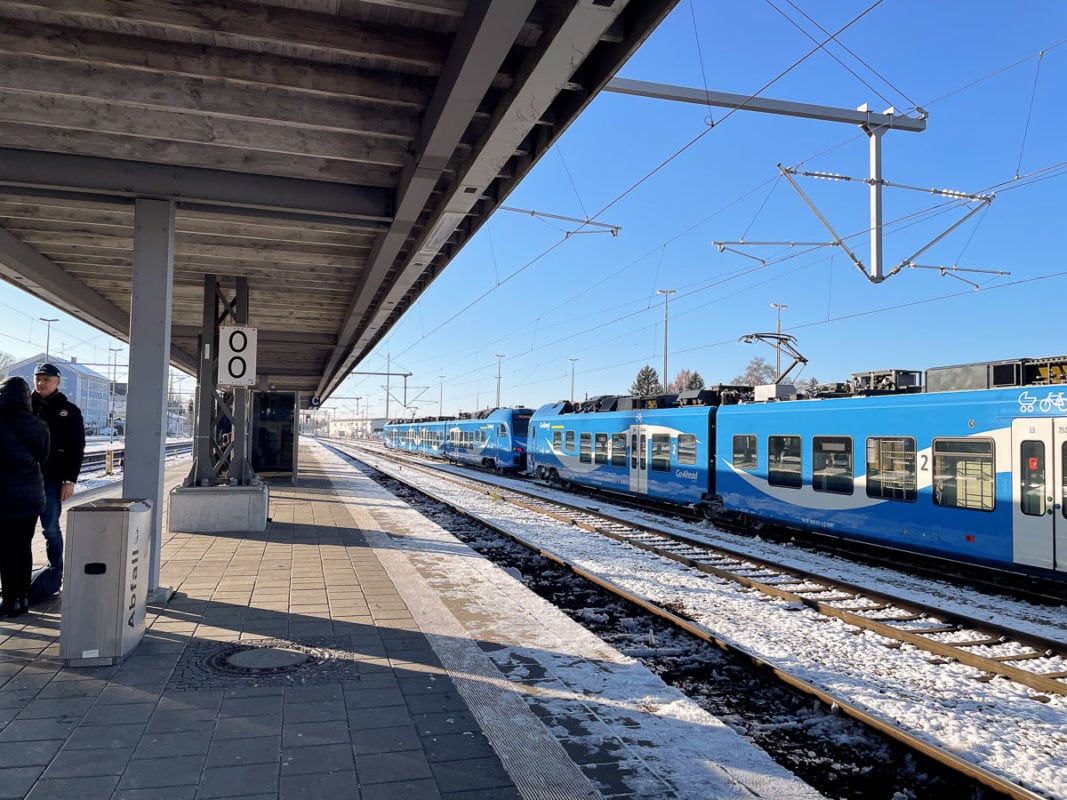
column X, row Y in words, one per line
column 757, row 373
column 6, row 360
column 685, row 381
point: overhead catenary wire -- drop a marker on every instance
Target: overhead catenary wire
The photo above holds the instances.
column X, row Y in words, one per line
column 832, row 55
column 733, row 111
column 1029, row 112
column 667, row 161
column 1019, row 181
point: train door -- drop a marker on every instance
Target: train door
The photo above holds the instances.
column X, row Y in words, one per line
column 1039, row 514
column 638, row 447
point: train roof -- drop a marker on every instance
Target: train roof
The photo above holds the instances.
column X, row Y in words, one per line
column 959, row 377
column 488, row 413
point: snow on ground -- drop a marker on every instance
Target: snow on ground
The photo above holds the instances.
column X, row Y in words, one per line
column 585, row 691
column 997, row 724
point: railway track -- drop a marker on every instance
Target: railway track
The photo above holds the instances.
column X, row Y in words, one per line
column 1032, row 661
column 97, row 459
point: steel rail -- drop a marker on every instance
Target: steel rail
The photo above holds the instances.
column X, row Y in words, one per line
column 939, row 754
column 855, row 605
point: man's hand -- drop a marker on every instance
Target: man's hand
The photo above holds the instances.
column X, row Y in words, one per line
column 66, row 491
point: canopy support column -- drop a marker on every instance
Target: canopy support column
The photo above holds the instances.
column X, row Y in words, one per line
column 150, row 315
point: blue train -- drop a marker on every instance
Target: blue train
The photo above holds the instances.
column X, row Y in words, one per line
column 965, row 470
column 495, row 439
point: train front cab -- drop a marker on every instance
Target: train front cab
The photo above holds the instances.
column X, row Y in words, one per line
column 1039, row 474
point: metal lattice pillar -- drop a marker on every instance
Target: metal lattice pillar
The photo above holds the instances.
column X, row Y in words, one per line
column 221, row 438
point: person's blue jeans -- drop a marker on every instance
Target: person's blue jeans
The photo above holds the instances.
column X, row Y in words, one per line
column 50, row 522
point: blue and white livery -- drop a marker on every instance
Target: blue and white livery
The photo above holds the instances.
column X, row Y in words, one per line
column 977, row 476
column 494, row 439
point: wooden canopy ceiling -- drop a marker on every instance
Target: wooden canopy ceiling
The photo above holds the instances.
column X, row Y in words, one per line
column 335, row 153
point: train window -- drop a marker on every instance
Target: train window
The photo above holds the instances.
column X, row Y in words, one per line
column 503, row 429
column 745, row 452
column 633, row 451
column 964, row 474
column 661, row 452
column 618, row 449
column 600, row 454
column 557, row 441
column 687, row 448
column 831, row 464
column 783, row 464
column 1032, row 477
column 643, row 451
column 585, row 452
column 891, row 468
column 570, row 441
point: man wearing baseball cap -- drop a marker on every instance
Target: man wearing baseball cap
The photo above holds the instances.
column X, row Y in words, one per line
column 62, row 467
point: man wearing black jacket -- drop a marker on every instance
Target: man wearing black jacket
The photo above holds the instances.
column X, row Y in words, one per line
column 64, row 458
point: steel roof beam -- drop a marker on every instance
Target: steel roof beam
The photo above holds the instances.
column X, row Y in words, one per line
column 29, row 270
column 220, row 189
column 266, row 336
column 548, row 70
column 481, row 45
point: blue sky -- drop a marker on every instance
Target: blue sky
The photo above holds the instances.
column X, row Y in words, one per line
column 526, row 289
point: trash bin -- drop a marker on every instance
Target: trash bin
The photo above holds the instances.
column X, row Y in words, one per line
column 105, row 582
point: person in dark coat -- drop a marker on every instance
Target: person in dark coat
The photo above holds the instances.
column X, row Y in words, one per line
column 24, row 442
column 67, row 430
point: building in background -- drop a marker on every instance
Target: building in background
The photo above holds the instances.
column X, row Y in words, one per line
column 86, row 388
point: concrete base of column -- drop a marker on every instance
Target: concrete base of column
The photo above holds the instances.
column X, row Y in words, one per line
column 215, row 509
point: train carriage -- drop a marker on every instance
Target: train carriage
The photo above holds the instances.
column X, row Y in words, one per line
column 416, row 436
column 971, row 475
column 661, row 453
column 494, row 439
column 972, row 469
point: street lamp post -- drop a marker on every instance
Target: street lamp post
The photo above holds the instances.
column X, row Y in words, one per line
column 441, row 399
column 499, row 361
column 666, row 294
column 572, row 360
column 778, row 342
column 48, row 334
column 112, row 356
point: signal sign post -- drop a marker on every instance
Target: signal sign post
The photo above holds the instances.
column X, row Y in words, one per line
column 237, row 356
column 222, row 491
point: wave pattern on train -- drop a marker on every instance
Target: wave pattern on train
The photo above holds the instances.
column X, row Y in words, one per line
column 972, row 467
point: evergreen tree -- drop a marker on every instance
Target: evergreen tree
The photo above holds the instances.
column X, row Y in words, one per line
column 646, row 382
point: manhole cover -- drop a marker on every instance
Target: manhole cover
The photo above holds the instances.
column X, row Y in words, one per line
column 267, row 657
column 314, row 661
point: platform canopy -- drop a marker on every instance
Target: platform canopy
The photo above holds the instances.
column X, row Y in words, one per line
column 335, row 153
